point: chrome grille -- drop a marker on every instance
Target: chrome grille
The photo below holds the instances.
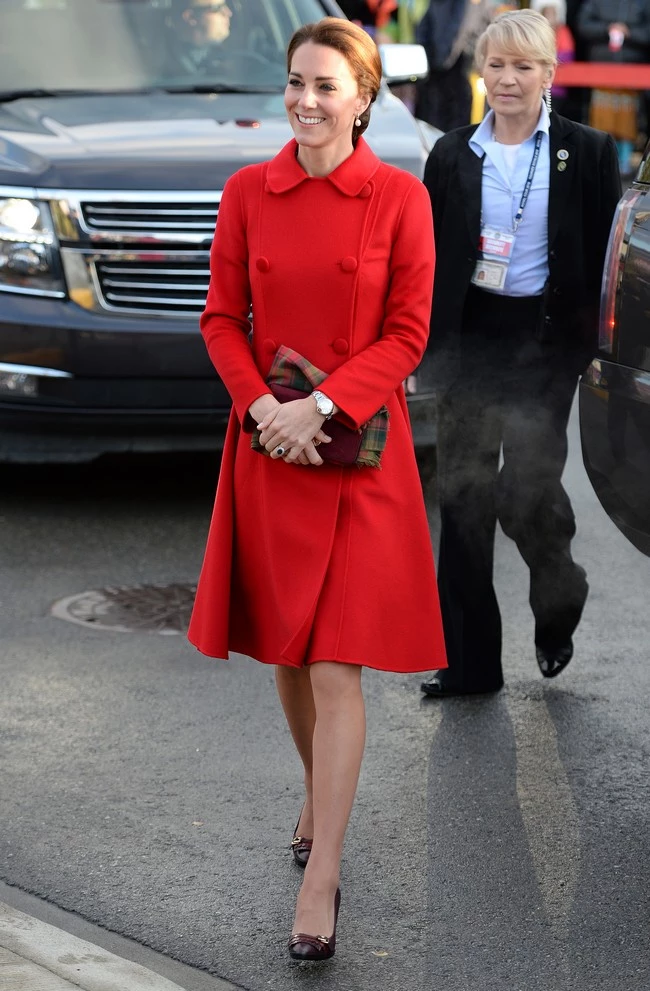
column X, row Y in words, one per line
column 174, row 286
column 151, row 216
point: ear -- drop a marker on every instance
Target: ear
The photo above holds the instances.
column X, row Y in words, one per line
column 362, row 104
column 550, row 76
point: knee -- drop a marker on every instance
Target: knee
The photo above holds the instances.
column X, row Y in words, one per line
column 334, row 684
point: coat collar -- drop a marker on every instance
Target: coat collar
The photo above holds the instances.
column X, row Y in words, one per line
column 285, row 172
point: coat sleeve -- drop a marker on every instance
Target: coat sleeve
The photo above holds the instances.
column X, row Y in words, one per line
column 224, row 322
column 364, row 383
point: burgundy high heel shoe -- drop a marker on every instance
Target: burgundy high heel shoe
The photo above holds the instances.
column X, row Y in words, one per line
column 302, row 946
column 300, row 848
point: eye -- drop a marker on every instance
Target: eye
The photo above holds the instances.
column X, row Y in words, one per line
column 327, row 87
column 294, row 82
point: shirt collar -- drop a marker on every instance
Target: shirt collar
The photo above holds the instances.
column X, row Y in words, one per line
column 483, row 135
column 285, row 171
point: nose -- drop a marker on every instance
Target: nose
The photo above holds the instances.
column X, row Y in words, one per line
column 308, row 98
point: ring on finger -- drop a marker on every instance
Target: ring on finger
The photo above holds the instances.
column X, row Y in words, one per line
column 280, row 451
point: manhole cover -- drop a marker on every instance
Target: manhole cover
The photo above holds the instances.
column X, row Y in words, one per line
column 136, row 609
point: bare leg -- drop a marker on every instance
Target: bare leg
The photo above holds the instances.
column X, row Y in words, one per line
column 294, row 689
column 338, row 743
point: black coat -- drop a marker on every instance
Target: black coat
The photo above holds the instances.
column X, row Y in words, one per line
column 593, row 27
column 582, row 201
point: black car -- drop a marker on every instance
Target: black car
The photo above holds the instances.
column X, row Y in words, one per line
column 615, row 391
column 117, row 133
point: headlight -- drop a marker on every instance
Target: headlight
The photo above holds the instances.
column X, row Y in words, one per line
column 29, row 257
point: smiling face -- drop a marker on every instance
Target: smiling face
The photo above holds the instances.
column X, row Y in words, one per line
column 322, row 99
column 514, row 84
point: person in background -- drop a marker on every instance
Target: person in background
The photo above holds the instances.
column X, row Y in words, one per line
column 448, row 30
column 373, row 16
column 555, row 13
column 522, row 206
column 616, row 31
column 204, row 27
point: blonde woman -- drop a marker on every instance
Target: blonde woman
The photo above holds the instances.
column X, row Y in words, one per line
column 522, row 209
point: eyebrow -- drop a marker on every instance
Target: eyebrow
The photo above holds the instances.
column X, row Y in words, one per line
column 319, row 79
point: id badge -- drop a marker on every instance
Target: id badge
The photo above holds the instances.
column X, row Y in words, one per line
column 496, row 252
column 489, row 274
column 496, row 244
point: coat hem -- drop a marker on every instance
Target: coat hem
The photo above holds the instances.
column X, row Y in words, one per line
column 431, row 664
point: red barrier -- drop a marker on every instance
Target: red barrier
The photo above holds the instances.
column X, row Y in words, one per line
column 604, row 75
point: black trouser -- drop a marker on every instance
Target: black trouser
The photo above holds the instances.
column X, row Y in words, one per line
column 515, row 394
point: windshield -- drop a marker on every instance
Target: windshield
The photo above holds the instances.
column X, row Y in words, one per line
column 97, row 45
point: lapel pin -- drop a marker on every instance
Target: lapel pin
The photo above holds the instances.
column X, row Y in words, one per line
column 563, row 154
column 561, row 166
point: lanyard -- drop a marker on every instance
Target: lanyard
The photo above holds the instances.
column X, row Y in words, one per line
column 529, row 182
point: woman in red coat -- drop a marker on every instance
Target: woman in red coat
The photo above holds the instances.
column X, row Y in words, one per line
column 316, row 568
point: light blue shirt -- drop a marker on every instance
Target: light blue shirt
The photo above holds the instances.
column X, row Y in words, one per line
column 501, row 195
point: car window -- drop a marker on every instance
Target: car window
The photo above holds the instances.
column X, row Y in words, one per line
column 127, row 44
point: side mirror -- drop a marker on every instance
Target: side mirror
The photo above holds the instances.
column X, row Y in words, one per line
column 403, row 63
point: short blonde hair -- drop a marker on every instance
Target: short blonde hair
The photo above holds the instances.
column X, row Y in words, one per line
column 519, row 32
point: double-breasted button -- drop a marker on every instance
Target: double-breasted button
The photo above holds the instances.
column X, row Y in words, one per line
column 269, row 345
column 349, row 264
column 340, row 345
column 366, row 191
column 263, row 264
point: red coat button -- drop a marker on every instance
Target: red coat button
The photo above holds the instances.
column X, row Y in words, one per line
column 263, row 264
column 349, row 264
column 269, row 345
column 340, row 345
column 366, row 191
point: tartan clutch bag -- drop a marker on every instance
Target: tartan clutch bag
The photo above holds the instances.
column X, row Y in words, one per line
column 293, row 377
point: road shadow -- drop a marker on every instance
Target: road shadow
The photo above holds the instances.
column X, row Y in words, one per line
column 537, row 825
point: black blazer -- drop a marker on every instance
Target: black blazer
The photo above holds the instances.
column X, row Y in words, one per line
column 582, row 201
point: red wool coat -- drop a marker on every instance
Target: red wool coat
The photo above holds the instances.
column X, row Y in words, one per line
column 321, row 563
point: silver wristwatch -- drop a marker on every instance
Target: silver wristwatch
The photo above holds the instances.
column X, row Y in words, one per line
column 324, row 404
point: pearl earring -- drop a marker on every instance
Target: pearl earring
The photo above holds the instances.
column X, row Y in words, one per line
column 547, row 99
column 358, row 122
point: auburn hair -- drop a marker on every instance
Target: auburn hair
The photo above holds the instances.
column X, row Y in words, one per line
column 358, row 49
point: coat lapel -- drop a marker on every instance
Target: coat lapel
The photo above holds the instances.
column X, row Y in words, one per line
column 470, row 173
column 562, row 140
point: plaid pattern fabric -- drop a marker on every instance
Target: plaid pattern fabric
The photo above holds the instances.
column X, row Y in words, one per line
column 290, row 369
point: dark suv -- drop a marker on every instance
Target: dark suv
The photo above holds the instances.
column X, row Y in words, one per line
column 615, row 391
column 118, row 130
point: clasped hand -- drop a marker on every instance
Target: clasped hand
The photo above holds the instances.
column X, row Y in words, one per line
column 294, row 426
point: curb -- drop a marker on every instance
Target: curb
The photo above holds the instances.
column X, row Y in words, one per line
column 36, row 955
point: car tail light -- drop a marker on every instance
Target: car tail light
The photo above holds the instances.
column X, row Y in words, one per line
column 613, row 272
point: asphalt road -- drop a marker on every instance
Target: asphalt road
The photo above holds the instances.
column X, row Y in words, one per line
column 497, row 844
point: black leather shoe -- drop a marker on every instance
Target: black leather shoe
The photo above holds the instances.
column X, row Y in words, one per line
column 302, row 946
column 440, row 687
column 552, row 661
